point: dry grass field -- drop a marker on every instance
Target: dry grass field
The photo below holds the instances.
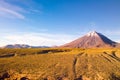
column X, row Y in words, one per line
column 60, row 64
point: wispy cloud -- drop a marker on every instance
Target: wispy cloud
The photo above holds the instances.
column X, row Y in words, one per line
column 44, row 39
column 110, row 32
column 10, row 10
column 37, row 39
column 92, row 24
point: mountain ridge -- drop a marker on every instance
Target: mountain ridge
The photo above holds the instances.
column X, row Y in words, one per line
column 22, row 46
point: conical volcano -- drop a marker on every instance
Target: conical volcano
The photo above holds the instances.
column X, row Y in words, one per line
column 91, row 40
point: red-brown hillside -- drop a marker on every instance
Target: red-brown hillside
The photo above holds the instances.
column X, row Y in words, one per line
column 91, row 40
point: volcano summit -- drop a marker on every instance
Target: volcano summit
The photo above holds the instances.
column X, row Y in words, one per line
column 91, row 40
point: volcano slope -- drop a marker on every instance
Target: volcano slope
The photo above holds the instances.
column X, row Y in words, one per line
column 92, row 40
column 72, row 64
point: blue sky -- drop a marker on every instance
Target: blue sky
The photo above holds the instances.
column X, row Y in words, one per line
column 55, row 22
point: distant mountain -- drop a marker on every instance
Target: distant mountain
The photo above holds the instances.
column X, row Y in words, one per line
column 91, row 40
column 17, row 46
column 22, row 46
column 40, row 47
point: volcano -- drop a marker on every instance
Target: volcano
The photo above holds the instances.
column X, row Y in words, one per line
column 91, row 40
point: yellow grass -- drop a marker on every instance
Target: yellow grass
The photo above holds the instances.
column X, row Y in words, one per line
column 58, row 63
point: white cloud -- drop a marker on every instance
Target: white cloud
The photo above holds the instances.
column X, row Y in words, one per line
column 92, row 24
column 40, row 39
column 37, row 39
column 112, row 32
column 10, row 10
